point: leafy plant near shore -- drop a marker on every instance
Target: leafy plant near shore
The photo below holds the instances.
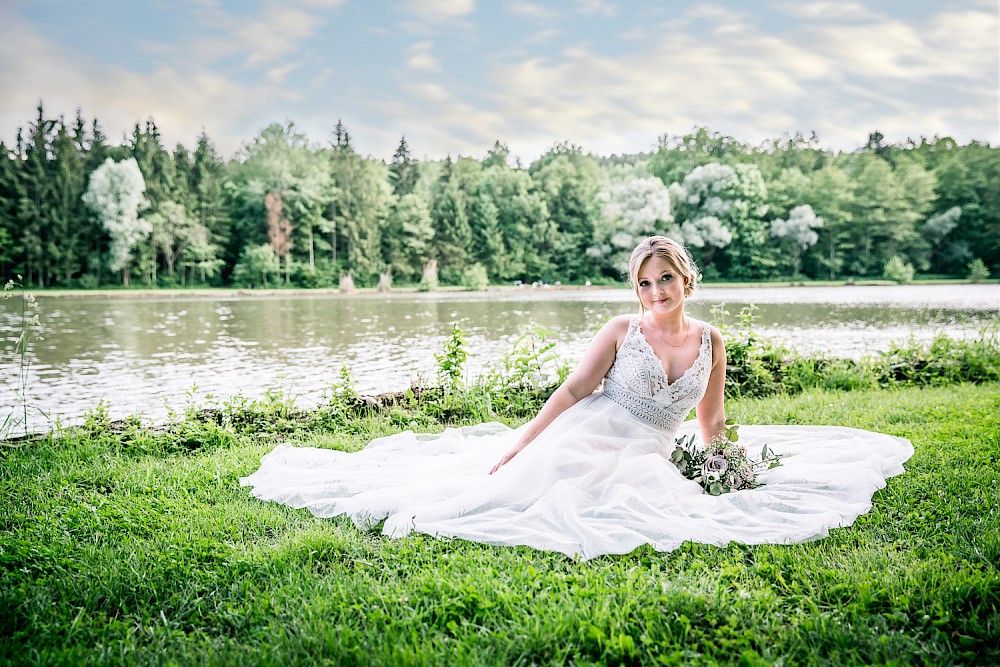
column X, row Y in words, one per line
column 451, row 360
column 516, row 387
column 757, row 366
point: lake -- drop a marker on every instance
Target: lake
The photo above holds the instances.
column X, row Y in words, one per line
column 145, row 353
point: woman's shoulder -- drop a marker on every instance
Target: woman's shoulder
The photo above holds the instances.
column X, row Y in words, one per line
column 618, row 327
column 621, row 321
column 621, row 324
column 714, row 335
column 712, row 331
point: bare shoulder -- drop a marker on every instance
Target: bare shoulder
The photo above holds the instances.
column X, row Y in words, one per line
column 718, row 343
column 618, row 323
column 612, row 333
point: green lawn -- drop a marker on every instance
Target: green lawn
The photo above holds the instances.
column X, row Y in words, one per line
column 136, row 547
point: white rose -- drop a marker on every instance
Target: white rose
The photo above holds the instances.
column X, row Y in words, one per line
column 714, row 467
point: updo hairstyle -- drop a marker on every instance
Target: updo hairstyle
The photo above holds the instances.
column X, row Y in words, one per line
column 672, row 251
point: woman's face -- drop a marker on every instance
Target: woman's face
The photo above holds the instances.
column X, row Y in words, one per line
column 659, row 285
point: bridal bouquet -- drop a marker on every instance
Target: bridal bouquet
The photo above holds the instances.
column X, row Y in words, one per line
column 722, row 465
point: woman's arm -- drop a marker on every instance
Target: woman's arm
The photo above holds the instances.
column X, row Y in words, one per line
column 712, row 409
column 579, row 385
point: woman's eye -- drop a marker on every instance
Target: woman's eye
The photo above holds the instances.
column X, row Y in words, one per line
column 643, row 283
column 666, row 277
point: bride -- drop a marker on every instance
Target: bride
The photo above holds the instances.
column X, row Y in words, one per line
column 591, row 474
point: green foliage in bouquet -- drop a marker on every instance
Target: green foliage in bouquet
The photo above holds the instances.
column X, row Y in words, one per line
column 723, row 465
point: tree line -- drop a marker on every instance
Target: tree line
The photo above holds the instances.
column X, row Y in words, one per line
column 79, row 211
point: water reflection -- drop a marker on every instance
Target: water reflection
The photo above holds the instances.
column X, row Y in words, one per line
column 142, row 354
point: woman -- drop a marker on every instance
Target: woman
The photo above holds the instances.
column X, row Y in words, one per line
column 591, row 473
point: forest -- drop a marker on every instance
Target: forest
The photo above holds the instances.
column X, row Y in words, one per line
column 77, row 211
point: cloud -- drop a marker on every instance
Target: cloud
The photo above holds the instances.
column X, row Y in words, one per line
column 839, row 69
column 841, row 80
column 260, row 39
column 323, row 4
column 954, row 44
column 278, row 32
column 436, row 117
column 433, row 11
column 420, row 58
column 183, row 102
column 531, row 10
column 278, row 75
column 602, row 7
column 827, row 9
column 541, row 37
column 676, row 84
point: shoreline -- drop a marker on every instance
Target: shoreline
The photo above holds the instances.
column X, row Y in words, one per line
column 232, row 292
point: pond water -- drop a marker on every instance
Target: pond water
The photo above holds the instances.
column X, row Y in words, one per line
column 143, row 354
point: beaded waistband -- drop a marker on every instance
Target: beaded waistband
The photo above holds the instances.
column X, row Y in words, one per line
column 646, row 409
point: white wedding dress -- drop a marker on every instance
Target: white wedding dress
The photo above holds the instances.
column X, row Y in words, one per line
column 598, row 480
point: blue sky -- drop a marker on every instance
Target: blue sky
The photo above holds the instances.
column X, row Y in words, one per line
column 456, row 75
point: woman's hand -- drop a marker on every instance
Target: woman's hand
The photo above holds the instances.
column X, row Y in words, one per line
column 581, row 383
column 507, row 457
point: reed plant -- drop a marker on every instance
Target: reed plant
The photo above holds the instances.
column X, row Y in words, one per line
column 28, row 326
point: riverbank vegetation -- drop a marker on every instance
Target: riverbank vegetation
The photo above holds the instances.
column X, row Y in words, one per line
column 77, row 211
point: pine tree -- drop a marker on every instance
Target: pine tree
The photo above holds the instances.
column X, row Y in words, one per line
column 403, row 171
column 9, row 171
column 35, row 203
column 68, row 228
column 453, row 233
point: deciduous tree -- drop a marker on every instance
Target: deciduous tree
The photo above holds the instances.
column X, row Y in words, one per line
column 115, row 195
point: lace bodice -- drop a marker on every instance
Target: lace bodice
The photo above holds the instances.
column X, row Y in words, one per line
column 638, row 382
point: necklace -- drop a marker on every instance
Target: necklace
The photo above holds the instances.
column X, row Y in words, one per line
column 687, row 332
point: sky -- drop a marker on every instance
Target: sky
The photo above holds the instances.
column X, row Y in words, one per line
column 454, row 76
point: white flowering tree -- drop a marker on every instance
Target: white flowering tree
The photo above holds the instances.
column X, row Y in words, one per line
column 706, row 231
column 797, row 233
column 630, row 211
column 702, row 205
column 719, row 206
column 115, row 195
column 934, row 232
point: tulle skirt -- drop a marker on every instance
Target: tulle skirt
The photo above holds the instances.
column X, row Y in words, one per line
column 596, row 481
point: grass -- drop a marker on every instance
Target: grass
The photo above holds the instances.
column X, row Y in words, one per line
column 135, row 546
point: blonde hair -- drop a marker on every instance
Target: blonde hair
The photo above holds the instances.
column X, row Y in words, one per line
column 672, row 251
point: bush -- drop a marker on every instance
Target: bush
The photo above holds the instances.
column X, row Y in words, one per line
column 897, row 270
column 752, row 362
column 474, row 278
column 757, row 366
column 325, row 275
column 978, row 271
column 944, row 361
column 90, row 281
column 255, row 265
